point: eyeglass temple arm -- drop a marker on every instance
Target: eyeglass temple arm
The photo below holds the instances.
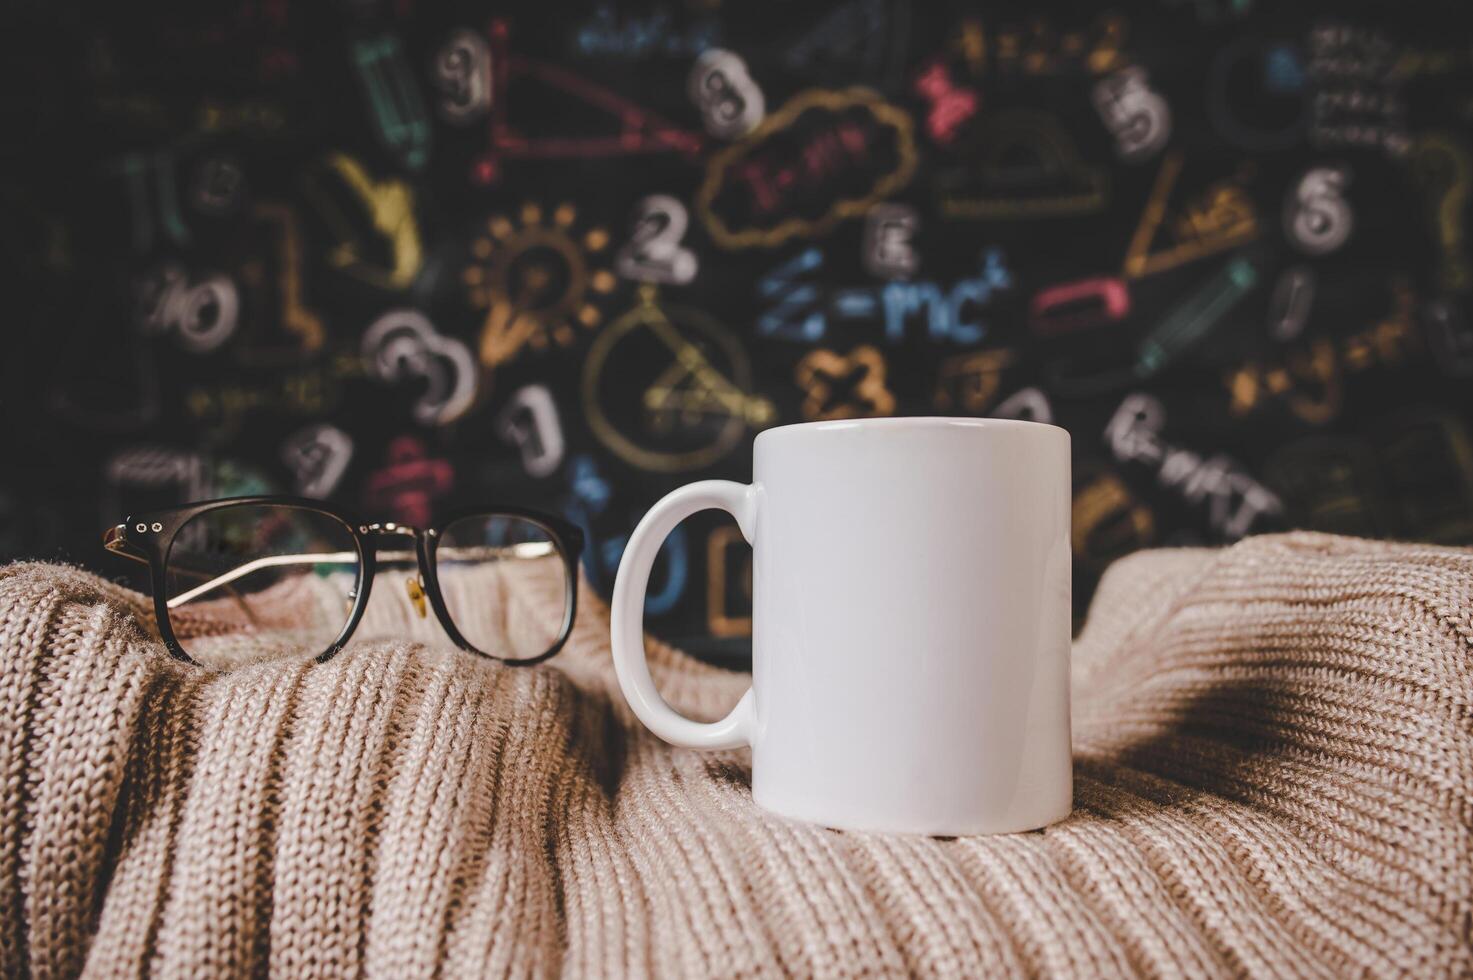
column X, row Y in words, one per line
column 235, row 595
column 270, row 561
column 529, row 550
column 115, row 539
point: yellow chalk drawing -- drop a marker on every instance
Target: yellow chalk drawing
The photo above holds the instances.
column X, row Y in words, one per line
column 1108, row 521
column 1038, row 48
column 537, row 280
column 294, row 313
column 969, row 382
column 687, row 392
column 1444, row 168
column 390, row 207
column 844, row 386
column 1222, row 219
column 1027, row 166
column 1311, row 382
column 884, row 185
column 719, row 619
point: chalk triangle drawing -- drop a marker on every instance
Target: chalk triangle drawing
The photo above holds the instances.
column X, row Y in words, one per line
column 639, row 130
column 690, row 385
column 1223, row 219
column 1027, row 166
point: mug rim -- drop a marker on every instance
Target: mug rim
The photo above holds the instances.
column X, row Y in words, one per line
column 911, row 422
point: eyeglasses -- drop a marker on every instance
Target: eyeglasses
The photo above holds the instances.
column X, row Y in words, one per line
column 254, row 578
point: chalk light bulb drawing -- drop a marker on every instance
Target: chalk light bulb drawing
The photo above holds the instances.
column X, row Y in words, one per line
column 539, row 278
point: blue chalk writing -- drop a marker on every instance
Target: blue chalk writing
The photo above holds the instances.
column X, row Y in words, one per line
column 1282, row 71
column 856, row 303
column 603, row 35
column 590, row 490
column 792, row 317
column 799, row 311
column 674, row 554
column 590, row 499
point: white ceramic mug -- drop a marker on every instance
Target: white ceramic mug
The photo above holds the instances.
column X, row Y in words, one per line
column 910, row 624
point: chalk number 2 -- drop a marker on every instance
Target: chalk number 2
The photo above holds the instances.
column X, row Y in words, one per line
column 654, row 252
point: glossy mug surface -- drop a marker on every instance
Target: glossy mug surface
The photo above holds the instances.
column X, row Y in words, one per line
column 911, row 624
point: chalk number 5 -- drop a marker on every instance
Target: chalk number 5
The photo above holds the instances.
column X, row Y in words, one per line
column 1317, row 217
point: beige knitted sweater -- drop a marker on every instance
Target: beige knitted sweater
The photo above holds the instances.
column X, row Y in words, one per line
column 1274, row 758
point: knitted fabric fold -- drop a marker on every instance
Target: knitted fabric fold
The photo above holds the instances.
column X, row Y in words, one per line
column 1273, row 776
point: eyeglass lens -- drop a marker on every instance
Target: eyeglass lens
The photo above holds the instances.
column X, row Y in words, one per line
column 260, row 581
column 504, row 582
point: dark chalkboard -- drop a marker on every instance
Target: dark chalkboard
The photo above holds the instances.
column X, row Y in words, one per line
column 407, row 256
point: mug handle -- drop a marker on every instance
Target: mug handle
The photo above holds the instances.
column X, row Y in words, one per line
column 627, row 620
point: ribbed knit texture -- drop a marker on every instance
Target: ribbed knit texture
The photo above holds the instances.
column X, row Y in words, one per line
column 1273, row 762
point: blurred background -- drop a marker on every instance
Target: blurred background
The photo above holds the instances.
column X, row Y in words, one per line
column 408, row 257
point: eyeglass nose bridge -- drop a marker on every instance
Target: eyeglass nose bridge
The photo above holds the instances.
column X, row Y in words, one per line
column 412, row 584
column 390, row 528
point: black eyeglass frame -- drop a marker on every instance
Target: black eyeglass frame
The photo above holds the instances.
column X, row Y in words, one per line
column 148, row 538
